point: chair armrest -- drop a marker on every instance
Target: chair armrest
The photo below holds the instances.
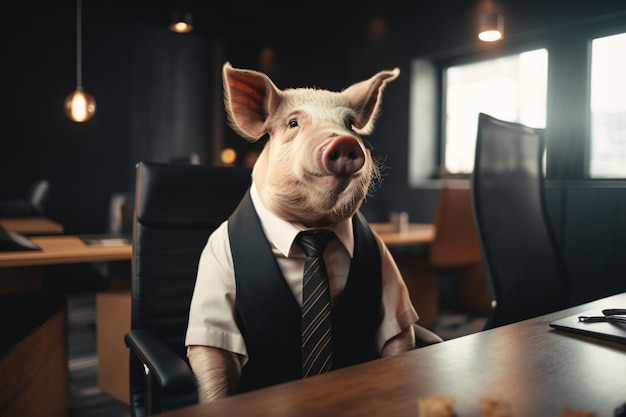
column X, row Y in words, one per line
column 171, row 371
column 425, row 337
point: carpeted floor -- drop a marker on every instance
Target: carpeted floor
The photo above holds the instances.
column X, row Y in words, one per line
column 88, row 401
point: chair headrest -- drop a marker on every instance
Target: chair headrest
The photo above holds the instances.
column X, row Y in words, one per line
column 181, row 195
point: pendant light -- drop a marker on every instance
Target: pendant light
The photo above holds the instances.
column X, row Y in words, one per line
column 80, row 106
column 490, row 26
column 181, row 22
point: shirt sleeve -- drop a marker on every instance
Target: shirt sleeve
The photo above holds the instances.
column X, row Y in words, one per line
column 212, row 312
column 398, row 311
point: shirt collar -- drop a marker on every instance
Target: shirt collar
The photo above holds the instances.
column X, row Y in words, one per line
column 282, row 234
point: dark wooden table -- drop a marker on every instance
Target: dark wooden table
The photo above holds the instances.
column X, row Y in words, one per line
column 537, row 370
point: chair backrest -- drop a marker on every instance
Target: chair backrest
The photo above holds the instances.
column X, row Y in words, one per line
column 38, row 195
column 33, row 204
column 121, row 213
column 177, row 207
column 456, row 240
column 523, row 264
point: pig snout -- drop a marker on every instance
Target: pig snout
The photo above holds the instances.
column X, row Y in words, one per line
column 343, row 156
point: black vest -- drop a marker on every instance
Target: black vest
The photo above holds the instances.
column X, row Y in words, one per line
column 269, row 316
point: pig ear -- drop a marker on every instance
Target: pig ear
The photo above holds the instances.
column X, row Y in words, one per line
column 250, row 98
column 365, row 98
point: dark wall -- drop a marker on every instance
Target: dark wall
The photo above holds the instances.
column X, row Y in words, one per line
column 594, row 238
column 152, row 95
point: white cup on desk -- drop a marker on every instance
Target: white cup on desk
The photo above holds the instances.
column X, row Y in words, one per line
column 400, row 221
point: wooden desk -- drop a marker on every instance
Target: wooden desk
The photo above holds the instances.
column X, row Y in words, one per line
column 63, row 250
column 32, row 225
column 418, row 234
column 21, row 271
column 537, row 370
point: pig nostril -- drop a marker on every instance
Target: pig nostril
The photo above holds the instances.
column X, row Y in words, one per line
column 352, row 155
column 334, row 155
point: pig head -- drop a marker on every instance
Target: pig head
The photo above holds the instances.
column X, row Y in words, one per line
column 314, row 169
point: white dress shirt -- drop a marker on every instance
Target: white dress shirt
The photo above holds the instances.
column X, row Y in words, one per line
column 212, row 312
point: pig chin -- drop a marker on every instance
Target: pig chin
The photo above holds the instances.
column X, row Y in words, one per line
column 315, row 203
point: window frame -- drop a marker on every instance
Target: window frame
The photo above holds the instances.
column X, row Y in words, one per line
column 444, row 65
column 599, row 33
column 568, row 138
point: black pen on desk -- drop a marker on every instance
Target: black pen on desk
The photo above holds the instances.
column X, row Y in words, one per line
column 599, row 319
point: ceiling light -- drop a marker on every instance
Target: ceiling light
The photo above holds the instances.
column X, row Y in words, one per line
column 181, row 23
column 490, row 26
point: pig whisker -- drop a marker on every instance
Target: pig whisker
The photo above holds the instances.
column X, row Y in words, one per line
column 376, row 174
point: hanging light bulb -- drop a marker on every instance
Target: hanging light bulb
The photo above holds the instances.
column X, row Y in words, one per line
column 80, row 106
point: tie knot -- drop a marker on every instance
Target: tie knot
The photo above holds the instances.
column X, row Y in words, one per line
column 313, row 242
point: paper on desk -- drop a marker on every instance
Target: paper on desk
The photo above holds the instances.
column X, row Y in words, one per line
column 113, row 241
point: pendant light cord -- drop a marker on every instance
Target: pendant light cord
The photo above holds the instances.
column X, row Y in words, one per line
column 79, row 41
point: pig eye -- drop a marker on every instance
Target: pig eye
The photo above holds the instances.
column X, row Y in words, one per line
column 293, row 123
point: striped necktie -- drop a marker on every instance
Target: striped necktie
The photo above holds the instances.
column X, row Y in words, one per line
column 316, row 318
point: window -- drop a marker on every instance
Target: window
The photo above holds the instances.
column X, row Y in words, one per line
column 608, row 107
column 511, row 88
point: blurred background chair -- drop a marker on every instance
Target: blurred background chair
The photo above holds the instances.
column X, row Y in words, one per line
column 116, row 275
column 33, row 204
column 448, row 273
column 120, row 223
column 456, row 251
column 177, row 207
column 524, row 266
column 121, row 212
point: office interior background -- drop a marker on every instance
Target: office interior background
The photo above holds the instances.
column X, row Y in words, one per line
column 159, row 97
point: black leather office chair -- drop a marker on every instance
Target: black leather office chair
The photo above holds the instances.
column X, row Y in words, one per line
column 524, row 265
column 177, row 206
